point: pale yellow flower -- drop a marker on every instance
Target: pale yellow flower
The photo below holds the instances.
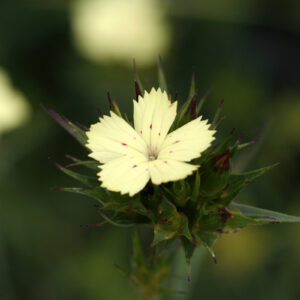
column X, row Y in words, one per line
column 120, row 30
column 130, row 157
column 14, row 109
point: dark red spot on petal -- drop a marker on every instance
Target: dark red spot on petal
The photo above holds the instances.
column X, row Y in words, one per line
column 150, row 126
column 159, row 133
column 124, row 144
column 176, row 142
column 165, row 162
column 171, row 151
column 134, row 138
column 141, row 131
column 134, row 166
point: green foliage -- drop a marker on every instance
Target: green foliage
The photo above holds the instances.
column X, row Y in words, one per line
column 195, row 211
column 77, row 132
column 264, row 215
column 171, row 223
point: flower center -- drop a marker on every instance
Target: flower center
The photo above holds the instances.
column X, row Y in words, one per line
column 152, row 157
column 152, row 153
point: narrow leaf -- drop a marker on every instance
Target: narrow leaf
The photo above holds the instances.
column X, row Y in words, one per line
column 202, row 101
column 86, row 180
column 208, row 239
column 264, row 215
column 237, row 182
column 137, row 78
column 77, row 132
column 90, row 164
column 98, row 194
column 189, row 249
column 217, row 114
column 193, row 87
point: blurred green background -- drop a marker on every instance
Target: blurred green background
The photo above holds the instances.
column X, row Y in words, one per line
column 67, row 54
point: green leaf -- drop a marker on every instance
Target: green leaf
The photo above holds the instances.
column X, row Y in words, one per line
column 237, row 182
column 202, row 100
column 114, row 220
column 170, row 223
column 264, row 215
column 161, row 76
column 222, row 219
column 193, row 87
column 189, row 249
column 217, row 114
column 208, row 239
column 86, row 180
column 237, row 221
column 90, row 164
column 98, row 194
column 137, row 78
column 225, row 145
column 77, row 132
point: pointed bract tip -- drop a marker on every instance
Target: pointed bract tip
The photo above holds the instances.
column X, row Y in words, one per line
column 232, row 132
column 109, row 100
column 81, row 126
column 222, row 162
column 134, row 66
column 71, row 157
column 159, row 62
column 44, row 106
column 137, row 90
column 176, row 96
column 214, row 259
column 126, row 118
column 193, row 106
column 207, row 93
column 219, row 122
column 57, row 165
column 274, row 165
column 221, row 103
column 56, row 188
column 100, row 113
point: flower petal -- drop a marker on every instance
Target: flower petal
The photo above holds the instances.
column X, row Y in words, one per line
column 153, row 116
column 188, row 141
column 169, row 170
column 125, row 174
column 112, row 138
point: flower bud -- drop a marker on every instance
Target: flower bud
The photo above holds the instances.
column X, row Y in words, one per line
column 215, row 173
